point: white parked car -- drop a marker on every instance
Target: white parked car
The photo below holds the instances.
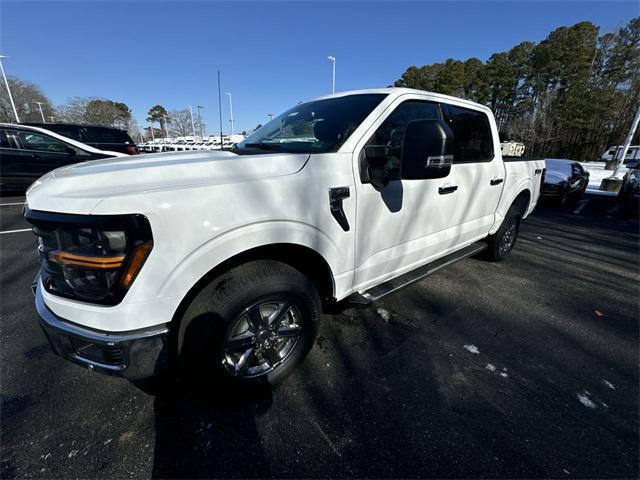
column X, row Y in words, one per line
column 612, row 152
column 221, row 262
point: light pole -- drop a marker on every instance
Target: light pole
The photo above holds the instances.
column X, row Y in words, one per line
column 141, row 136
column 270, row 115
column 153, row 137
column 42, row 114
column 332, row 59
column 231, row 113
column 193, row 125
column 166, row 126
column 53, row 119
column 200, row 122
column 15, row 112
column 627, row 143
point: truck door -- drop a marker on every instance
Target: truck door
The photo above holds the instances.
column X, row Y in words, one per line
column 479, row 172
column 408, row 222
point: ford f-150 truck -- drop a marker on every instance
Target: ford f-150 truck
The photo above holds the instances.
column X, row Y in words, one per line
column 223, row 261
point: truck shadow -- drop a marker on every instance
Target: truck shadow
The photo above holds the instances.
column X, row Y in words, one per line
column 208, row 433
column 401, row 397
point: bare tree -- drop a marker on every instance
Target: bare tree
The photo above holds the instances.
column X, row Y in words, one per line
column 96, row 111
column 180, row 123
column 25, row 95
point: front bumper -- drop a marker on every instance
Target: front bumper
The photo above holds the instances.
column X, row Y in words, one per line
column 137, row 354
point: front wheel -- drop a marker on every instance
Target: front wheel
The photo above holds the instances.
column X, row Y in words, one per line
column 502, row 242
column 251, row 326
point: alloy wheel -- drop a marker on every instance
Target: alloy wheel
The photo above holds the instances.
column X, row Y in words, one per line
column 261, row 338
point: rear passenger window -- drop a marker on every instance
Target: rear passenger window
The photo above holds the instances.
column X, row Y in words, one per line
column 472, row 131
column 104, row 135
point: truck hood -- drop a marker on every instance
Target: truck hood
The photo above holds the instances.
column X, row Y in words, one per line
column 79, row 188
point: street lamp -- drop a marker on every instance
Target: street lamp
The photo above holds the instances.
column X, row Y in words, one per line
column 42, row 114
column 15, row 112
column 166, row 126
column 231, row 113
column 332, row 59
column 200, row 122
column 193, row 125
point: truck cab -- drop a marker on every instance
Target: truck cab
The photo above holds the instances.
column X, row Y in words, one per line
column 223, row 261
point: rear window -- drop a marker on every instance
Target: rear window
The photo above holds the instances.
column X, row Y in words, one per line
column 106, row 135
column 472, row 133
column 562, row 167
column 69, row 131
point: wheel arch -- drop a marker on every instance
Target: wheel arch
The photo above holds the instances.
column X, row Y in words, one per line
column 523, row 201
column 304, row 259
column 522, row 198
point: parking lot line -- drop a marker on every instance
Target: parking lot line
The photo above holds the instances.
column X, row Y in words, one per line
column 9, row 204
column 16, row 231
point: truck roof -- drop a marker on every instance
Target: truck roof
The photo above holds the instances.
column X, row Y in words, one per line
column 397, row 91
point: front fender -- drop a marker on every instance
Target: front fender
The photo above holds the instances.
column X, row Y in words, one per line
column 235, row 242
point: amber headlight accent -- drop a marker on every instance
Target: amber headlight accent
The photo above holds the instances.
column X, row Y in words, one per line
column 137, row 260
column 66, row 258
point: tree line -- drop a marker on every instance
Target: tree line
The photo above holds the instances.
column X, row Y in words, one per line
column 569, row 96
column 29, row 98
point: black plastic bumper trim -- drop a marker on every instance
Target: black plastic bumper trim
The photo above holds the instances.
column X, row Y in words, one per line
column 144, row 351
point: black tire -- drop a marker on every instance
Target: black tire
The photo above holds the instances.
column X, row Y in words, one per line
column 228, row 303
column 502, row 242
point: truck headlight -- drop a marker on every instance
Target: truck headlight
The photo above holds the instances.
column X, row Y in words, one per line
column 91, row 258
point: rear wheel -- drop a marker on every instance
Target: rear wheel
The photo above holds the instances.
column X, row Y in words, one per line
column 502, row 242
column 251, row 326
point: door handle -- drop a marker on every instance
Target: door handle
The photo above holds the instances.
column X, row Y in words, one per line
column 446, row 190
column 336, row 195
column 496, row 181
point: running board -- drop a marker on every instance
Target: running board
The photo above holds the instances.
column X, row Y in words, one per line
column 395, row 284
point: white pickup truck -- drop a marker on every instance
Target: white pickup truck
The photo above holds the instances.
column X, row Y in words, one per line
column 223, row 261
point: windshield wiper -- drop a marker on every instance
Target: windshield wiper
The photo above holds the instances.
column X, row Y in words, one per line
column 264, row 146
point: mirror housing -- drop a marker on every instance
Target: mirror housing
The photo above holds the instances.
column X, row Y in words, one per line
column 427, row 150
column 376, row 163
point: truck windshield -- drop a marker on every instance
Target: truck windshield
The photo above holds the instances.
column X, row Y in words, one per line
column 312, row 127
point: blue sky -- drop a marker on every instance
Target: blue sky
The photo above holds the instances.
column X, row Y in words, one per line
column 271, row 55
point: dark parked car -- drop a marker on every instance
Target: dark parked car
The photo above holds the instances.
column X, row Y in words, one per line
column 563, row 180
column 629, row 195
column 102, row 138
column 27, row 153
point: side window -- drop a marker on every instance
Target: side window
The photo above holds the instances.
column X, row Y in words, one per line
column 472, row 131
column 4, row 139
column 577, row 169
column 391, row 132
column 8, row 139
column 42, row 143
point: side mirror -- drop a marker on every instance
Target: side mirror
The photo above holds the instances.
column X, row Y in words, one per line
column 377, row 157
column 71, row 152
column 633, row 165
column 427, row 150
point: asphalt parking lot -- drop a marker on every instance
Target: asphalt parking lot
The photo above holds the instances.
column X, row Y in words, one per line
column 528, row 368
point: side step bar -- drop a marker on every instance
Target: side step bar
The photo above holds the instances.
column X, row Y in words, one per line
column 395, row 284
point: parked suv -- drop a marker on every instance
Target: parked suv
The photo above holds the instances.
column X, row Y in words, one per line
column 221, row 262
column 27, row 153
column 102, row 138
